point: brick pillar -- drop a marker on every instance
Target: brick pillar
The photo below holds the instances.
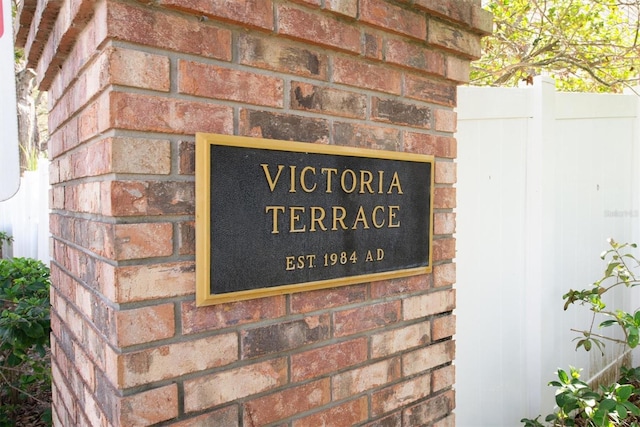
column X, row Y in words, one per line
column 130, row 82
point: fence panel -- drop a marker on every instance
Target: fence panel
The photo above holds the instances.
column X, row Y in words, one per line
column 26, row 216
column 544, row 178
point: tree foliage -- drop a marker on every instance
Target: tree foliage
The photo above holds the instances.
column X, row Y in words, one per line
column 585, row 45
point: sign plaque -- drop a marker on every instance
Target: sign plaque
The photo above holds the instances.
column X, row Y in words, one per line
column 277, row 217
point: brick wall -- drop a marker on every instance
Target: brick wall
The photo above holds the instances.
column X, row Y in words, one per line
column 129, row 83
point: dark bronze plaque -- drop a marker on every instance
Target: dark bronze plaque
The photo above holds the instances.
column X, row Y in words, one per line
column 276, row 216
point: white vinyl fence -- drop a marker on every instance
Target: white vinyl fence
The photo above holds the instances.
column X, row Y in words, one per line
column 25, row 216
column 544, row 178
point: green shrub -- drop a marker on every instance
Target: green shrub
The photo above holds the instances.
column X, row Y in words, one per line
column 24, row 334
column 617, row 404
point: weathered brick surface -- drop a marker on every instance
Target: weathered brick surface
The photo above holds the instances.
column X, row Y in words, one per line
column 365, row 75
column 328, row 101
column 228, row 386
column 210, row 81
column 199, row 319
column 365, row 378
column 255, row 13
column 396, row 396
column 130, row 83
column 428, row 357
column 328, row 359
column 280, row 405
column 152, row 27
column 349, row 322
column 393, row 18
column 396, row 340
column 430, row 410
column 149, row 407
column 345, row 415
column 288, row 58
column 284, row 336
column 429, row 304
column 317, row 29
column 172, row 360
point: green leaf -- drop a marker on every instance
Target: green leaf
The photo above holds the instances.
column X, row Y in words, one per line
column 562, row 375
column 609, row 322
column 633, row 337
column 622, row 411
column 608, row 404
column 624, row 392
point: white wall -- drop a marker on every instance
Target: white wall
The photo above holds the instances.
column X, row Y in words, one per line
column 544, row 178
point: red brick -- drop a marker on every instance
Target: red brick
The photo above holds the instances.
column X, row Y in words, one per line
column 448, row 421
column 366, row 136
column 423, row 143
column 173, row 360
column 444, row 198
column 312, row 3
column 286, row 127
column 372, row 46
column 458, row 69
column 366, row 75
column 304, row 302
column 396, row 396
column 444, row 223
column 430, row 90
column 349, row 322
column 443, row 378
column 150, row 198
column 155, row 114
column 318, row 29
column 149, row 407
column 342, row 7
column 429, row 304
column 252, row 13
column 200, row 319
column 454, row 39
column 366, row 378
column 153, row 281
column 215, row 82
column 445, row 120
column 428, row 358
column 414, row 56
column 444, row 275
column 345, row 415
column 443, row 327
column 153, row 27
column 400, row 113
column 481, row 20
column 444, row 249
column 279, row 337
column 327, row 101
column 393, row 18
column 139, row 69
column 430, row 410
column 286, row 403
column 284, row 57
column 392, row 420
column 159, row 323
column 135, row 241
column 327, row 359
column 225, row 417
column 230, row 385
column 396, row 340
column 446, row 172
column 402, row 286
column 455, row 10
column 187, row 158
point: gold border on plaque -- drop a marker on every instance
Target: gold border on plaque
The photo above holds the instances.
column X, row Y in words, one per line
column 203, row 221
